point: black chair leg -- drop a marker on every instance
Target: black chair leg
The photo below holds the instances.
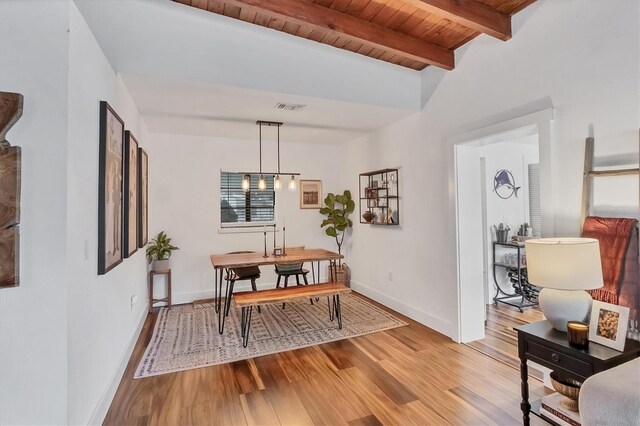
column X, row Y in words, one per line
column 254, row 287
column 278, row 282
column 286, row 284
column 297, row 279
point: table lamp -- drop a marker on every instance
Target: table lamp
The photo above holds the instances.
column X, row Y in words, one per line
column 564, row 268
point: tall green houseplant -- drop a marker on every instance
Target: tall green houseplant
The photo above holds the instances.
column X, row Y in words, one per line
column 337, row 209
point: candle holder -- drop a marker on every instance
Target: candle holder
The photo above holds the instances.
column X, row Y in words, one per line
column 578, row 334
column 284, row 245
column 265, row 245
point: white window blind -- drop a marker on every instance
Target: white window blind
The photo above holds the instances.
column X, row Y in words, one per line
column 535, row 215
column 239, row 208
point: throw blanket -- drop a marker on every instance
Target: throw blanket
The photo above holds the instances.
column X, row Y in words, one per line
column 614, row 235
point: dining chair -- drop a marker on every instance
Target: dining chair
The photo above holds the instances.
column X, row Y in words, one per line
column 246, row 273
column 288, row 269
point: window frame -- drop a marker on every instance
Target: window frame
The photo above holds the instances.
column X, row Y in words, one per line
column 251, row 226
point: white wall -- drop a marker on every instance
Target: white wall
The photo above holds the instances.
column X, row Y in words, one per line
column 102, row 323
column 583, row 57
column 34, row 56
column 184, row 191
column 65, row 332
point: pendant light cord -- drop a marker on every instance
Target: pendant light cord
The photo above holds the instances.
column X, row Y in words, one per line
column 260, row 135
column 278, row 150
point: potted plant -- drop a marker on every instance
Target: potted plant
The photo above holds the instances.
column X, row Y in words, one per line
column 159, row 251
column 337, row 209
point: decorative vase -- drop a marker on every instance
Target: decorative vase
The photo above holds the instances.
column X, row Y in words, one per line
column 368, row 216
column 161, row 265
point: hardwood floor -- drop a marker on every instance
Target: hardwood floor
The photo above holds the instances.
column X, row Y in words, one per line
column 407, row 375
column 501, row 340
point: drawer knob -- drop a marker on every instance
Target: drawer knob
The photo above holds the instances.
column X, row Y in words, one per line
column 555, row 357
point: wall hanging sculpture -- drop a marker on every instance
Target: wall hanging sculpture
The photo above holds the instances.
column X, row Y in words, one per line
column 10, row 159
column 504, row 185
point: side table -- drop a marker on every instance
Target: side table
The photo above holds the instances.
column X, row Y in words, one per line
column 164, row 299
column 544, row 345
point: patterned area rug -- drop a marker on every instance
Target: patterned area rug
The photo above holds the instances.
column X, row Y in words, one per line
column 186, row 336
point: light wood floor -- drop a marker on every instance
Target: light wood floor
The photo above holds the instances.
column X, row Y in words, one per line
column 408, row 375
column 501, row 340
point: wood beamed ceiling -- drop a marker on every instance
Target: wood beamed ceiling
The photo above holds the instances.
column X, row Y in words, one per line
column 409, row 33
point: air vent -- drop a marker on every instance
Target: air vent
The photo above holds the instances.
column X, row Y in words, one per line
column 290, row 107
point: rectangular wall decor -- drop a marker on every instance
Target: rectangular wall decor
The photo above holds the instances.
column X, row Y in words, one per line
column 110, row 184
column 131, row 197
column 10, row 164
column 143, row 200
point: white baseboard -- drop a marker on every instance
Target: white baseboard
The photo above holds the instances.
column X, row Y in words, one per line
column 102, row 408
column 424, row 318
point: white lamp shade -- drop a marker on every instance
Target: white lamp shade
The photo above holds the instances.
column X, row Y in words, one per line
column 564, row 263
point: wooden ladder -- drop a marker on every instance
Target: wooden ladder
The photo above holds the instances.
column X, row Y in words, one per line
column 589, row 174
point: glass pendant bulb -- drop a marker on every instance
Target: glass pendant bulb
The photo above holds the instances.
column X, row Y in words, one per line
column 262, row 183
column 246, row 183
column 292, row 183
column 276, row 183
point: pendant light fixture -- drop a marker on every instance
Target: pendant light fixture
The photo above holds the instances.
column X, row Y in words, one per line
column 262, row 182
column 246, row 183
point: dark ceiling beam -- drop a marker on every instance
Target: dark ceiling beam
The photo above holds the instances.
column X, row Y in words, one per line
column 342, row 24
column 469, row 13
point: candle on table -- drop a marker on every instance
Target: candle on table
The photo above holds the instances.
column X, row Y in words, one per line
column 578, row 334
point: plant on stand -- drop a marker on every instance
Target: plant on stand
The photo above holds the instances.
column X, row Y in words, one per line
column 159, row 251
column 337, row 209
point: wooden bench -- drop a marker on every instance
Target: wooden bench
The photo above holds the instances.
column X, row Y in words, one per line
column 248, row 299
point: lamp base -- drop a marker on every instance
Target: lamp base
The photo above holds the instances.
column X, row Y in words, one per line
column 560, row 306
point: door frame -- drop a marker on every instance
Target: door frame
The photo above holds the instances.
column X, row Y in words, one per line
column 470, row 307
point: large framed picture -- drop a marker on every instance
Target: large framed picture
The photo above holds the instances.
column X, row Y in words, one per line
column 143, row 198
column 310, row 194
column 608, row 325
column 110, row 199
column 131, row 201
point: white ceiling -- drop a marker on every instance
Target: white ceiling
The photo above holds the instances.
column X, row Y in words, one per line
column 222, row 111
column 198, row 73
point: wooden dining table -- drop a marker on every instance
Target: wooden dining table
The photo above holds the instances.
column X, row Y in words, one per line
column 221, row 262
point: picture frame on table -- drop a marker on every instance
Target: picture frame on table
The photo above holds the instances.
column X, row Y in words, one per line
column 131, row 196
column 110, row 189
column 608, row 324
column 143, row 200
column 310, row 194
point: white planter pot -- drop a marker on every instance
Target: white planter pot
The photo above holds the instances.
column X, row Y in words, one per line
column 161, row 265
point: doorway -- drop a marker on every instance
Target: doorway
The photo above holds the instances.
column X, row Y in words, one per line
column 493, row 167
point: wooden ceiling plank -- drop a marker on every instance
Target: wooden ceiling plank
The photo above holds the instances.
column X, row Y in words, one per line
column 200, row 4
column 326, row 19
column 357, row 6
column 372, row 9
column 471, row 14
column 216, row 7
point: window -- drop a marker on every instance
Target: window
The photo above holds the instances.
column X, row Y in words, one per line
column 239, row 208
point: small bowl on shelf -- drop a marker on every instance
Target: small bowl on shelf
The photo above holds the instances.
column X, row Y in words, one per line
column 567, row 387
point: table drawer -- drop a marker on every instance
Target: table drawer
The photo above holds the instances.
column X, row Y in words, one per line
column 556, row 358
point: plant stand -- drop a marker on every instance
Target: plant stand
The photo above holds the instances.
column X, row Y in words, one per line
column 167, row 299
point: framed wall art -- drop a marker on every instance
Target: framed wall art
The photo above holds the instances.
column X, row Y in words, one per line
column 143, row 198
column 310, row 194
column 131, row 198
column 608, row 325
column 110, row 182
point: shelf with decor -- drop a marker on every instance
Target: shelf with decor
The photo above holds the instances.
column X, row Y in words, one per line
column 379, row 197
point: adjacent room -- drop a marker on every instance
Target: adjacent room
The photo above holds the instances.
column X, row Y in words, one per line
column 332, row 212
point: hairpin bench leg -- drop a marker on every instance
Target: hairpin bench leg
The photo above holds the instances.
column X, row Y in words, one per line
column 330, row 305
column 246, row 324
column 337, row 309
